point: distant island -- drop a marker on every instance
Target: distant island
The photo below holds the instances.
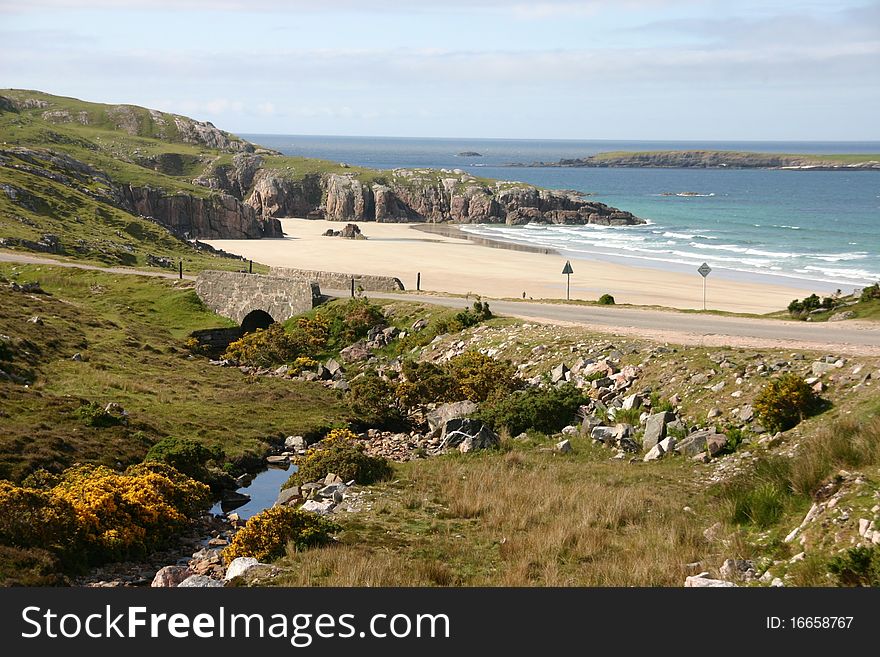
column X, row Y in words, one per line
column 697, row 159
column 469, row 154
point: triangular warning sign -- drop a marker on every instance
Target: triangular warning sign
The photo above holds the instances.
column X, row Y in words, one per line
column 567, row 269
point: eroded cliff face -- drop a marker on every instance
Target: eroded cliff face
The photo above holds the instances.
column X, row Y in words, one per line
column 220, row 216
column 460, row 200
column 402, row 196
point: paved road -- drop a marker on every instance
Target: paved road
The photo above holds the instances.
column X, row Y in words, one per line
column 686, row 328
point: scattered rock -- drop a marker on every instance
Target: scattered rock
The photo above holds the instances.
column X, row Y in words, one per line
column 322, row 507
column 451, row 411
column 288, row 496
column 473, row 434
column 655, row 429
column 703, row 581
column 171, row 576
column 199, row 581
column 240, row 566
column 564, row 447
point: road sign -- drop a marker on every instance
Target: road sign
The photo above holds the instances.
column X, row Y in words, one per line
column 568, row 271
column 704, row 270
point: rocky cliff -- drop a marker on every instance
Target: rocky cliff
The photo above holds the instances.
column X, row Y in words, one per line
column 404, row 196
column 220, row 216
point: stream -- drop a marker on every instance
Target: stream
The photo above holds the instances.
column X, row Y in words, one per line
column 263, row 491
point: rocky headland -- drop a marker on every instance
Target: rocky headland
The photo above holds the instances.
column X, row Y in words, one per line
column 704, row 159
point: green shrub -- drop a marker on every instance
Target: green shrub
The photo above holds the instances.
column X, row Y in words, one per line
column 870, row 292
column 628, row 416
column 546, row 410
column 785, row 401
column 471, row 375
column 266, row 535
column 29, row 567
column 858, row 566
column 660, row 405
column 187, row 456
column 478, row 377
column 35, row 518
column 266, row 347
column 451, row 322
column 606, row 300
column 424, row 383
column 94, row 415
column 760, row 495
column 340, row 454
column 373, row 402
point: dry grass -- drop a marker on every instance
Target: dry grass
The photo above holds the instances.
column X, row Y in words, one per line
column 521, row 518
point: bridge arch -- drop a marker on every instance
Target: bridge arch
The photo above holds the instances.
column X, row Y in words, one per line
column 256, row 319
column 238, row 296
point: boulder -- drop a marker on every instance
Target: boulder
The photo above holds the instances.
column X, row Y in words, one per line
column 570, row 430
column 702, row 581
column 696, row 442
column 558, row 373
column 333, row 367
column 321, row 508
column 733, row 570
column 356, row 352
column 632, row 401
column 563, row 447
column 451, row 411
column 819, row 368
column 746, row 413
column 278, row 459
column 297, row 443
column 605, row 435
column 655, row 428
column 654, row 454
column 288, row 496
column 239, row 566
column 199, row 581
column 716, row 443
column 472, row 433
column 170, row 576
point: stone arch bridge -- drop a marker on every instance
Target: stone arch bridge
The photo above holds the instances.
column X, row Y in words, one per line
column 253, row 300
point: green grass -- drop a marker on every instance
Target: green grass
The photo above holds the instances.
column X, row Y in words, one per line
column 523, row 517
column 130, row 333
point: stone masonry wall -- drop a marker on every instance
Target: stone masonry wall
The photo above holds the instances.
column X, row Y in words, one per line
column 339, row 281
column 234, row 295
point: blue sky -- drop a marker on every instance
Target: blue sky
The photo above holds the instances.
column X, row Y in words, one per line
column 595, row 69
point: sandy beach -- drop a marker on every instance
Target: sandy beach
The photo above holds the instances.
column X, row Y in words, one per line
column 461, row 266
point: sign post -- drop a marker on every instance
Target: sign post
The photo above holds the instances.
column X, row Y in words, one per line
column 704, row 270
column 568, row 271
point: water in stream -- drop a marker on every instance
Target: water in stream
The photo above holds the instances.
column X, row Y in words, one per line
column 263, row 491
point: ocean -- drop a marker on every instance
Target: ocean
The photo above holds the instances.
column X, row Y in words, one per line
column 817, row 229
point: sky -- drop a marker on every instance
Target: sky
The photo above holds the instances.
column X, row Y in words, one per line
column 578, row 69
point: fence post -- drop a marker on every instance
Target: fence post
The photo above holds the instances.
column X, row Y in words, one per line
column 180, row 269
column 418, row 281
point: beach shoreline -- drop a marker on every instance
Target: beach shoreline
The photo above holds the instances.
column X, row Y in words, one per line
column 446, row 260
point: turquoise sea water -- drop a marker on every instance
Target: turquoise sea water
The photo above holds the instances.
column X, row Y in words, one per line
column 818, row 226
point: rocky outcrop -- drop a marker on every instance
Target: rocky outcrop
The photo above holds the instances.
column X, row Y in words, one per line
column 275, row 195
column 220, row 216
column 409, row 198
column 712, row 160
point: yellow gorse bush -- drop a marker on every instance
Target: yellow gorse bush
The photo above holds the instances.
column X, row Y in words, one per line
column 99, row 513
column 266, row 535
